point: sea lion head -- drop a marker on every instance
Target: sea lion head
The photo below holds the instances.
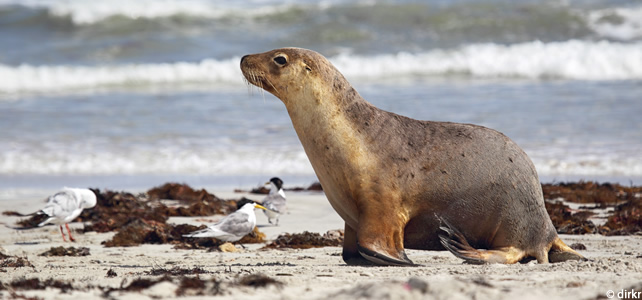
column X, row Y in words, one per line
column 291, row 74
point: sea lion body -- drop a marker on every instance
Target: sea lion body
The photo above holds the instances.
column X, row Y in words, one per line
column 403, row 183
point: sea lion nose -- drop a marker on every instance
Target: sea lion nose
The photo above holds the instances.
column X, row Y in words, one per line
column 243, row 58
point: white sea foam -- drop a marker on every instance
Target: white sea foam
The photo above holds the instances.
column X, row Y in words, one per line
column 55, row 78
column 570, row 60
column 623, row 23
column 160, row 161
column 588, row 164
column 259, row 161
column 574, row 59
column 82, row 12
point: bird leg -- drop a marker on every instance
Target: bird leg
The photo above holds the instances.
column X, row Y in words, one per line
column 71, row 238
column 63, row 234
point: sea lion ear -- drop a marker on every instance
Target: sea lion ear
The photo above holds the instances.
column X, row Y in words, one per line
column 306, row 66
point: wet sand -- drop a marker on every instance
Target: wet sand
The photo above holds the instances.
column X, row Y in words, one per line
column 317, row 273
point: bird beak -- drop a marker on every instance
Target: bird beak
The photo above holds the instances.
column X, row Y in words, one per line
column 267, row 183
column 259, row 206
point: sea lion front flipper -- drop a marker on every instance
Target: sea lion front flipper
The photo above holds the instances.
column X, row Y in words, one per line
column 380, row 258
column 350, row 252
column 381, row 242
column 457, row 244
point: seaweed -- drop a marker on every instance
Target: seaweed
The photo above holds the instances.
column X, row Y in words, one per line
column 258, row 280
column 176, row 271
column 37, row 284
column 567, row 222
column 32, row 222
column 152, row 232
column 590, row 192
column 138, row 232
column 624, row 220
column 139, row 284
column 307, row 240
column 578, row 246
column 111, row 273
column 115, row 210
column 314, row 187
column 70, row 251
column 181, row 192
column 262, row 190
column 194, row 284
column 7, row 261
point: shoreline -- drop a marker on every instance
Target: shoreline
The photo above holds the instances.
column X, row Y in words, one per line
column 141, row 182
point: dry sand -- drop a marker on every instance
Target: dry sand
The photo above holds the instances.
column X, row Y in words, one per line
column 616, row 265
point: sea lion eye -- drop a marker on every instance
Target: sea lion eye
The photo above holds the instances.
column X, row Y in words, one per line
column 280, row 60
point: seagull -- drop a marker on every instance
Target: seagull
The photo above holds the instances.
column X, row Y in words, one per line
column 64, row 206
column 234, row 226
column 274, row 202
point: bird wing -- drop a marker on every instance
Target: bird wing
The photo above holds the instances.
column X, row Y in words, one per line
column 62, row 207
column 275, row 203
column 207, row 232
column 237, row 223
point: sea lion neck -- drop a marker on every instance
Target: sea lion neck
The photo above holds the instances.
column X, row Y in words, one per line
column 329, row 102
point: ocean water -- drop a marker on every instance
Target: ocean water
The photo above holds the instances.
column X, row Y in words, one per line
column 131, row 94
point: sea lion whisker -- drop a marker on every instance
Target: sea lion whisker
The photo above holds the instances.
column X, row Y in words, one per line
column 259, row 79
column 254, row 81
column 250, row 86
column 274, row 87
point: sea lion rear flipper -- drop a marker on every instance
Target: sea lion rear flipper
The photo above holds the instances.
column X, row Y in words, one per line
column 457, row 244
column 561, row 252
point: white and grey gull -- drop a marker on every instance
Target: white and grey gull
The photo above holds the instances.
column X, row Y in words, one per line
column 65, row 206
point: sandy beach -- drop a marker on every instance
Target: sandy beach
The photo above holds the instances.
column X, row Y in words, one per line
column 318, row 273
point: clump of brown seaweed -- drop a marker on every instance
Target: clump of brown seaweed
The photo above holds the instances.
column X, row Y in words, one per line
column 37, row 284
column 590, row 192
column 307, row 240
column 626, row 201
column 258, row 280
column 8, row 261
column 69, row 251
column 262, row 190
column 626, row 219
column 176, row 271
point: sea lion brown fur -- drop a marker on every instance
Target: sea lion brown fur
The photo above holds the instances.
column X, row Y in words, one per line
column 402, row 183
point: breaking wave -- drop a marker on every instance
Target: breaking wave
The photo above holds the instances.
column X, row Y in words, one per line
column 576, row 60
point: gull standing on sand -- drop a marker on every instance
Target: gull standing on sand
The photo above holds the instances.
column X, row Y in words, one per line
column 64, row 206
column 234, row 226
column 274, row 202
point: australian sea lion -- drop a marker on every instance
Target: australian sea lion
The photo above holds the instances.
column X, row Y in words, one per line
column 402, row 183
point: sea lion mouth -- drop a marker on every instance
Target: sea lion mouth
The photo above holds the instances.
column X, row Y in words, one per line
column 255, row 76
column 257, row 79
